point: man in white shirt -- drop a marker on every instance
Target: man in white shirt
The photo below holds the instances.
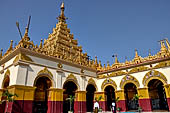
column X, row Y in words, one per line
column 113, row 107
column 96, row 107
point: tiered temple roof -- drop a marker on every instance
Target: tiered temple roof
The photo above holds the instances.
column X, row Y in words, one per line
column 62, row 45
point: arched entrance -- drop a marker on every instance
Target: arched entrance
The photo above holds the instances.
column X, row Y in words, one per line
column 90, row 97
column 110, row 96
column 5, row 84
column 130, row 91
column 69, row 89
column 157, row 95
column 41, row 94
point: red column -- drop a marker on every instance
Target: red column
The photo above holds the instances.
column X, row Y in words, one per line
column 55, row 100
column 145, row 104
column 144, row 99
column 80, row 102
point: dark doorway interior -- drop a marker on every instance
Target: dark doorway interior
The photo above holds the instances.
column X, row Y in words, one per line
column 90, row 97
column 130, row 91
column 41, row 95
column 157, row 95
column 110, row 97
column 70, row 88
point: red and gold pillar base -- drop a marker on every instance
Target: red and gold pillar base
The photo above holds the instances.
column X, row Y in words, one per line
column 167, row 91
column 122, row 102
column 144, row 100
column 2, row 105
column 55, row 100
column 24, row 102
column 102, row 102
column 80, row 102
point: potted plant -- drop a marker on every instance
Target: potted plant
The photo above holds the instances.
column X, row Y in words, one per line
column 117, row 108
column 71, row 100
column 136, row 99
column 7, row 97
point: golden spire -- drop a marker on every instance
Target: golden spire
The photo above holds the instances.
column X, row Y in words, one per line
column 96, row 63
column 149, row 52
column 108, row 65
column 1, row 53
column 100, row 64
column 136, row 53
column 62, row 17
column 167, row 43
column 116, row 60
column 41, row 44
column 163, row 47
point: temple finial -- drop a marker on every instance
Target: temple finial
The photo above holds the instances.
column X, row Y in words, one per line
column 136, row 53
column 167, row 43
column 11, row 45
column 41, row 43
column 116, row 60
column 149, row 52
column 96, row 62
column 1, row 53
column 62, row 17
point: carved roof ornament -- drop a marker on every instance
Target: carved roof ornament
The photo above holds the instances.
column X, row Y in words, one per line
column 45, row 71
column 163, row 51
column 167, row 43
column 23, row 57
column 1, row 53
column 71, row 77
column 9, row 49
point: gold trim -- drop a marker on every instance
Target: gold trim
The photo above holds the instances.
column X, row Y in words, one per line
column 45, row 71
column 129, row 79
column 153, row 74
column 23, row 57
column 91, row 81
column 108, row 82
column 138, row 69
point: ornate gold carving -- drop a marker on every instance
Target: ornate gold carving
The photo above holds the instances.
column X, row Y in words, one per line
column 138, row 69
column 117, row 73
column 162, row 64
column 102, row 76
column 72, row 78
column 59, row 65
column 23, row 57
column 107, row 82
column 128, row 79
column 153, row 74
column 45, row 71
column 82, row 71
column 91, row 81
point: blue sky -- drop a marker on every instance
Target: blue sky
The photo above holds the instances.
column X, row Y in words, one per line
column 102, row 27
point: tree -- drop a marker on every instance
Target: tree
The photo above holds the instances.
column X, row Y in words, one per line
column 8, row 97
column 71, row 100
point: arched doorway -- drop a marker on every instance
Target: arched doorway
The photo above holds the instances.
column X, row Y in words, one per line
column 110, row 96
column 5, row 84
column 69, row 89
column 90, row 97
column 157, row 95
column 130, row 91
column 41, row 94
